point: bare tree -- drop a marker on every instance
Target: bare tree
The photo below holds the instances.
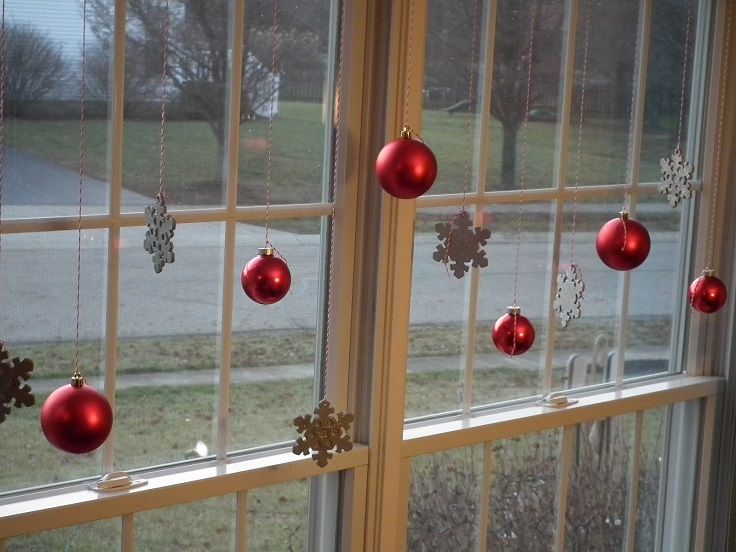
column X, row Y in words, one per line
column 34, row 66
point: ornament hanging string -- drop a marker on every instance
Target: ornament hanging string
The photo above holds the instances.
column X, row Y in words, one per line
column 524, row 148
column 581, row 113
column 164, row 91
column 82, row 115
column 686, row 51
column 719, row 136
column 269, row 162
column 409, row 59
column 468, row 125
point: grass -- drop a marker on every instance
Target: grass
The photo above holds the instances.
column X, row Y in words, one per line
column 193, row 166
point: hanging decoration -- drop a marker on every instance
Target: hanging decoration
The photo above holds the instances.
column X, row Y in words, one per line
column 406, row 168
column 77, row 418
column 623, row 243
column 266, row 278
column 677, row 172
column 708, row 293
column 459, row 242
column 327, row 431
column 160, row 223
column 513, row 333
column 13, row 372
column 570, row 286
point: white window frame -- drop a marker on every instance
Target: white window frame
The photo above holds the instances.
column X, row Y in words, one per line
column 373, row 282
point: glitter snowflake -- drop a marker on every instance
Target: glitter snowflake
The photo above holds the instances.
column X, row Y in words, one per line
column 12, row 374
column 461, row 244
column 323, row 433
column 677, row 175
column 569, row 296
column 160, row 231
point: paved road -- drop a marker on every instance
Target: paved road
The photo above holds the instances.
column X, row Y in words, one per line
column 39, row 272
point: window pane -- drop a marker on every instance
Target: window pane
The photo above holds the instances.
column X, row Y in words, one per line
column 205, row 525
column 650, row 478
column 599, row 485
column 278, row 517
column 523, row 492
column 450, row 57
column 44, row 45
column 508, row 96
column 196, row 92
column 299, row 88
column 169, row 348
column 99, row 535
column 664, row 80
column 39, row 287
column 273, row 346
column 444, row 505
column 608, row 91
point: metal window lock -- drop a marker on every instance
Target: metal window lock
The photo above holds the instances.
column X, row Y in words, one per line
column 116, row 481
column 556, row 399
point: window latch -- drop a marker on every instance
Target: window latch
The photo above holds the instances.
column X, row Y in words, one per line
column 116, row 481
column 556, row 399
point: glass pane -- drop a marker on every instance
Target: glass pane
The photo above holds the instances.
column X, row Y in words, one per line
column 523, row 492
column 656, row 292
column 197, row 87
column 273, row 346
column 664, row 81
column 448, row 125
column 99, row 535
column 444, row 504
column 169, row 347
column 204, row 525
column 278, row 517
column 608, row 91
column 599, row 484
column 508, row 97
column 296, row 95
column 38, row 308
column 44, row 45
column 498, row 376
column 650, row 478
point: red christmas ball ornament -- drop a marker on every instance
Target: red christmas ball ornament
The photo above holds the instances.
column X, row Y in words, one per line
column 406, row 167
column 76, row 418
column 707, row 293
column 623, row 243
column 266, row 279
column 513, row 334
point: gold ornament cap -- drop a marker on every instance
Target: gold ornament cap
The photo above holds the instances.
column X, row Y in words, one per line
column 708, row 273
column 405, row 133
column 624, row 215
column 265, row 251
column 77, row 379
column 513, row 310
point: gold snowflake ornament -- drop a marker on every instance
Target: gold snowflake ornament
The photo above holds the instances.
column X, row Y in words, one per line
column 677, row 176
column 569, row 296
column 324, row 433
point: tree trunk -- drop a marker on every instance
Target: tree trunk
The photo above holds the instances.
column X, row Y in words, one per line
column 508, row 160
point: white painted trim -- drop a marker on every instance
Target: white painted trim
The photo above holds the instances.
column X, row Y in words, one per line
column 44, row 510
column 633, row 502
column 703, row 506
column 485, row 497
column 505, row 423
column 127, row 531
column 563, row 484
column 241, row 521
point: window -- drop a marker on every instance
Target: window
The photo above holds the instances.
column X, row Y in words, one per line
column 452, row 449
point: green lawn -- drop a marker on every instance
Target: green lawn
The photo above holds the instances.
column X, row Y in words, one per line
column 193, row 159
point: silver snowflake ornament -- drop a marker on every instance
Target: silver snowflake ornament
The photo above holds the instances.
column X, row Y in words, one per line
column 323, row 433
column 569, row 296
column 160, row 231
column 462, row 244
column 677, row 176
column 12, row 375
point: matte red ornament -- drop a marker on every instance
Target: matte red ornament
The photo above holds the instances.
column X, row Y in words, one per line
column 510, row 324
column 76, row 418
column 406, row 168
column 707, row 293
column 623, row 243
column 266, row 279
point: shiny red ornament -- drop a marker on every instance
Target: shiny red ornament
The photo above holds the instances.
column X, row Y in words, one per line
column 76, row 418
column 266, row 279
column 623, row 243
column 509, row 324
column 406, row 168
column 707, row 293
